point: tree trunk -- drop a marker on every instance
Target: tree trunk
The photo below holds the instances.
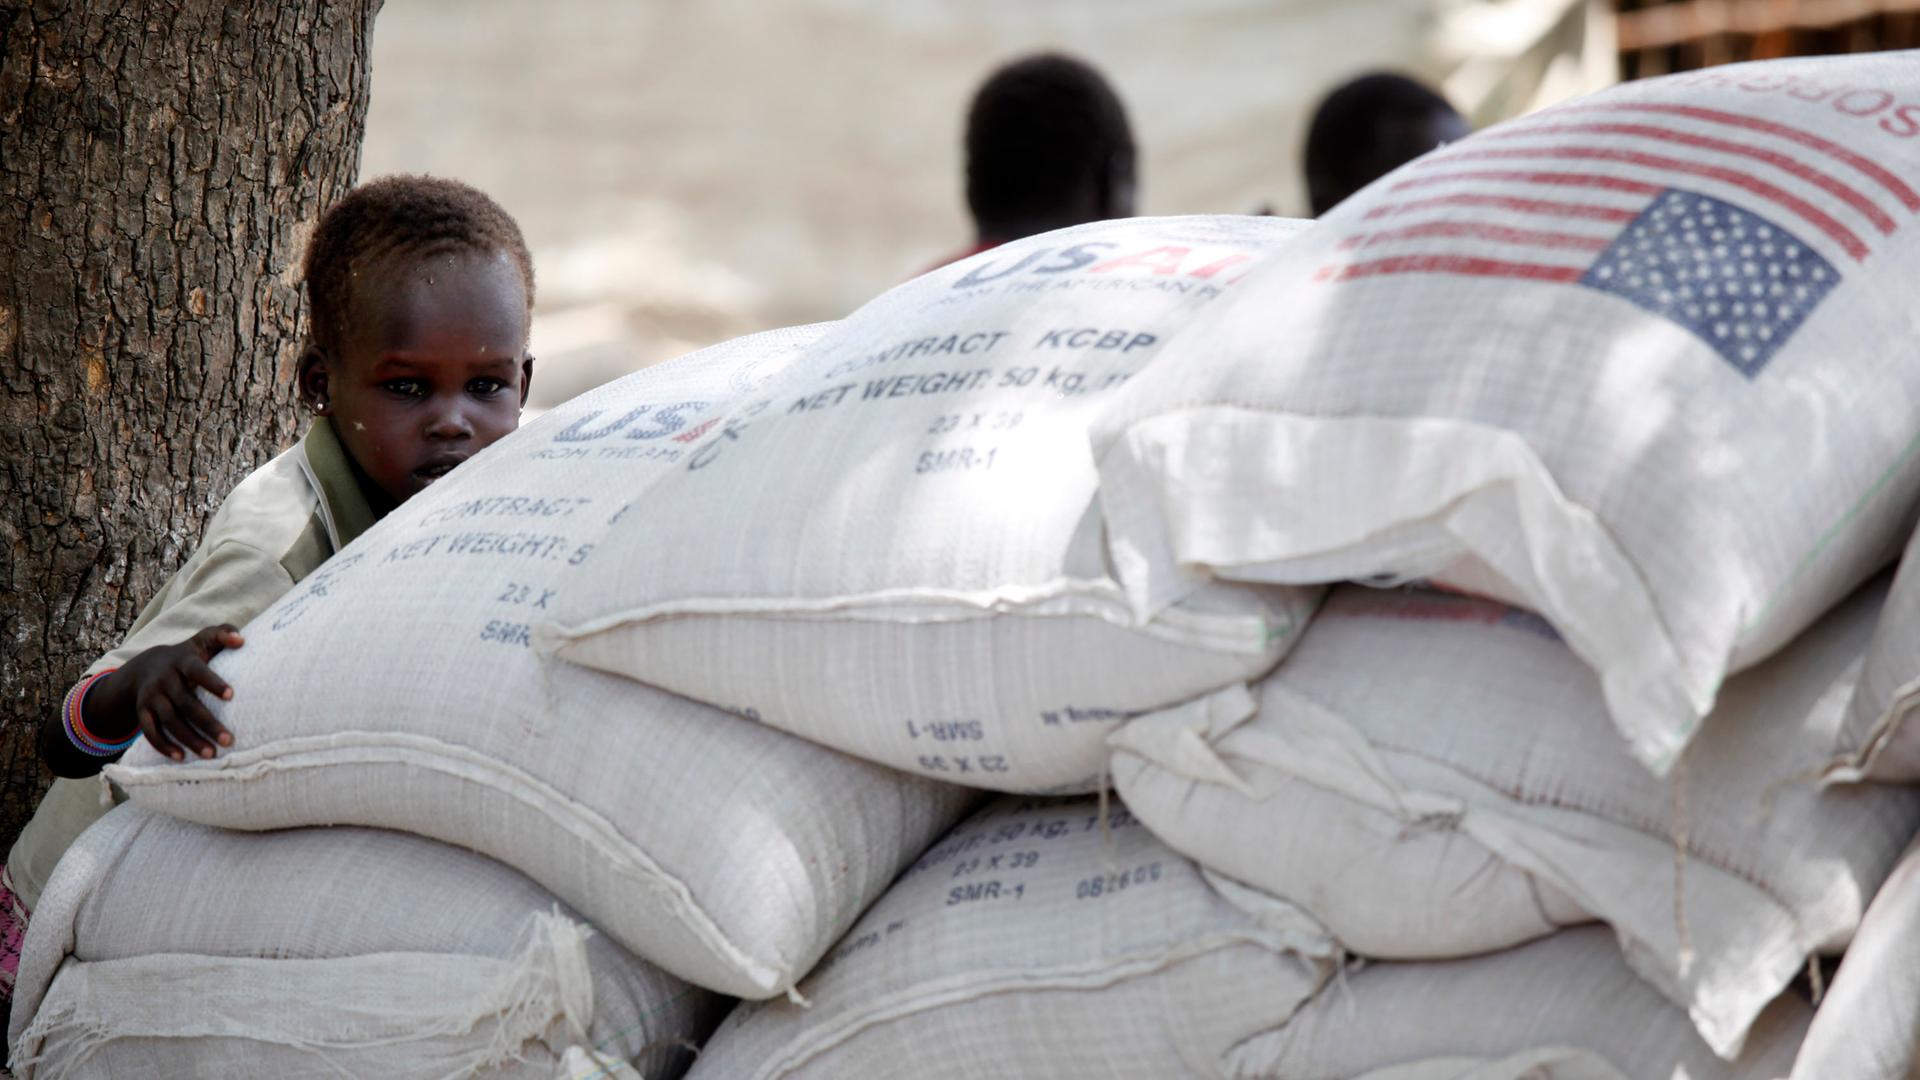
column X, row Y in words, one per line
column 162, row 163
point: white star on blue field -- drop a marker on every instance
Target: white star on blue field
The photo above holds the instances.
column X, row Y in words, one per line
column 1737, row 281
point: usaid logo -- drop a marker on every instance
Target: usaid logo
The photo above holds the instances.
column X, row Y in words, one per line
column 1098, row 257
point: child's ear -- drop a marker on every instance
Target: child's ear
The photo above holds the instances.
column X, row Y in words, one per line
column 526, row 379
column 311, row 378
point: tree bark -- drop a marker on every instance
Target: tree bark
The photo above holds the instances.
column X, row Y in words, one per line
column 162, row 163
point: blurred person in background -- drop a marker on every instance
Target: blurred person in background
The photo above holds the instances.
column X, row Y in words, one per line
column 1370, row 126
column 1047, row 146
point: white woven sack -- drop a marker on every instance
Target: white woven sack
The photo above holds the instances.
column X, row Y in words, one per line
column 164, row 949
column 893, row 549
column 1433, row 776
column 1641, row 363
column 1868, row 1024
column 1876, row 743
column 395, row 688
column 1034, row 943
column 1040, row 938
column 1546, row 1009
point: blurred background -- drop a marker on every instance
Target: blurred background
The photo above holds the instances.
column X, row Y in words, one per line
column 689, row 172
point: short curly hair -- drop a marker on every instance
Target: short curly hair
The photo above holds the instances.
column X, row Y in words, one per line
column 399, row 218
column 1038, row 128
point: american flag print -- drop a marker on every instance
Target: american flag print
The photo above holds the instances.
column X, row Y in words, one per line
column 1733, row 227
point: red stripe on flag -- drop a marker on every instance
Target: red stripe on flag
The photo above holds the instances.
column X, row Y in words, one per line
column 1879, row 175
column 1782, row 162
column 1814, row 216
column 1584, row 211
column 1527, row 176
column 1448, row 264
column 1480, row 231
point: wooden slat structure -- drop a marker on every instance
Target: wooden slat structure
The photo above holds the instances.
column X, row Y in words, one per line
column 1661, row 36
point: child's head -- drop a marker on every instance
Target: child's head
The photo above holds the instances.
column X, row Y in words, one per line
column 1369, row 127
column 419, row 293
column 1047, row 146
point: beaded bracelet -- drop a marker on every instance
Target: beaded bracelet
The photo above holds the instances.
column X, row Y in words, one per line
column 73, row 720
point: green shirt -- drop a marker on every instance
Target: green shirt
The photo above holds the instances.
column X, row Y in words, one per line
column 284, row 520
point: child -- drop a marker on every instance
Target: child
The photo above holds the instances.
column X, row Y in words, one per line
column 1047, row 145
column 1369, row 127
column 419, row 292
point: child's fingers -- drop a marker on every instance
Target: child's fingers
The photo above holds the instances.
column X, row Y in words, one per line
column 215, row 638
column 183, row 733
column 204, row 726
column 197, row 673
column 156, row 714
column 183, row 705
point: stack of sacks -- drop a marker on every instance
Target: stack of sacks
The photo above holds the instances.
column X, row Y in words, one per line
column 894, row 550
column 1037, row 940
column 1637, row 364
column 1434, row 776
column 396, row 688
column 1869, row 1022
column 1640, row 363
column 163, row 949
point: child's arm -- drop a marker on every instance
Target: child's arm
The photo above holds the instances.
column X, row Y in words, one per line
column 222, row 586
column 156, row 694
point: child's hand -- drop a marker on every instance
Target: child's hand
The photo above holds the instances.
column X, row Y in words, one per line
column 161, row 686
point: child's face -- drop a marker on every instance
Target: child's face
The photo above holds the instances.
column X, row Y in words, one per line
column 432, row 369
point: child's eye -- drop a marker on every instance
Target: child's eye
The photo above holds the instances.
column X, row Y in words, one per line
column 405, row 387
column 486, row 387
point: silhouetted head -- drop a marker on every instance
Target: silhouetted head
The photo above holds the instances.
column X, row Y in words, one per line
column 1369, row 127
column 1047, row 146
